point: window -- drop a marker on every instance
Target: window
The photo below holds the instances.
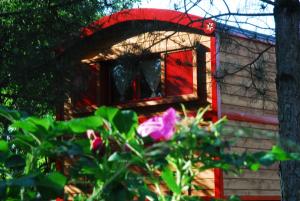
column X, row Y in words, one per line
column 153, row 79
column 138, row 79
column 142, row 80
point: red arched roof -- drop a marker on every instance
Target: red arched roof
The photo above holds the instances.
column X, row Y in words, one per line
column 150, row 14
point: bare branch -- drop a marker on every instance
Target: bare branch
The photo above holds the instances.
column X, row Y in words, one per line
column 218, row 77
column 240, row 14
column 268, row 2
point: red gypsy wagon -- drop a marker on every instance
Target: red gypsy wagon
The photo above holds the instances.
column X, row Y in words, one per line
column 151, row 59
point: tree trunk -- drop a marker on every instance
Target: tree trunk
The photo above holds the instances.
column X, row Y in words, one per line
column 287, row 19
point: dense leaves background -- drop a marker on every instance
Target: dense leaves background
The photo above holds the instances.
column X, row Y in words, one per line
column 40, row 157
column 31, row 75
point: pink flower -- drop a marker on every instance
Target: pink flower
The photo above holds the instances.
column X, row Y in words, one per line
column 159, row 128
column 96, row 142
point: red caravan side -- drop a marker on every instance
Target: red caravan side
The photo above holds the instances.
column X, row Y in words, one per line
column 208, row 26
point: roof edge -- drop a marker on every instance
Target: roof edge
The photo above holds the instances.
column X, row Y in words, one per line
column 244, row 33
column 208, row 26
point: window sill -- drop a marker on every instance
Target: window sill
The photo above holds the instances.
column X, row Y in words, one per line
column 158, row 101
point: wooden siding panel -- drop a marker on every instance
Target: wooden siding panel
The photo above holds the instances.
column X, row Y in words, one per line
column 252, row 184
column 255, row 137
column 249, row 102
column 261, row 174
column 244, row 60
column 238, row 89
column 232, row 66
column 246, row 82
column 252, row 192
column 252, row 143
column 232, row 107
column 258, row 127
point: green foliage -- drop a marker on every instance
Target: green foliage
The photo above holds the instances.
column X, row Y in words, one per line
column 123, row 166
column 33, row 76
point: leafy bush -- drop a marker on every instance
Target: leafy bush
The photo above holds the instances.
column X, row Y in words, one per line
column 102, row 157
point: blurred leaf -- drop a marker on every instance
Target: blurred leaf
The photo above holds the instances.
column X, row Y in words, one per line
column 26, row 125
column 169, row 179
column 279, row 153
column 51, row 185
column 11, row 115
column 126, row 121
column 120, row 157
column 3, row 146
column 15, row 162
column 254, row 166
column 26, row 181
column 107, row 113
column 234, row 198
column 114, row 157
column 42, row 122
column 267, row 159
column 81, row 125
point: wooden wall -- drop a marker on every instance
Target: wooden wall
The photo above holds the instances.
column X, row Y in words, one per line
column 247, row 76
column 252, row 138
column 150, row 42
column 158, row 42
column 247, row 82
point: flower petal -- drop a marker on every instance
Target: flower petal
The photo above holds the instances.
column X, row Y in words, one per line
column 91, row 134
column 96, row 143
column 169, row 121
column 153, row 124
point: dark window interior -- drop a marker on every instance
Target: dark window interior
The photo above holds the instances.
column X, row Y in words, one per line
column 134, row 78
column 148, row 77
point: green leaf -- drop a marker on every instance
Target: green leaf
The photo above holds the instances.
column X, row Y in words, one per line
column 114, row 157
column 107, row 113
column 11, row 115
column 80, row 125
column 126, row 121
column 169, row 179
column 51, row 185
column 15, row 162
column 120, row 157
column 34, row 125
column 279, row 153
column 3, row 146
column 267, row 159
column 26, row 181
column 254, row 166
column 26, row 125
column 42, row 122
column 234, row 198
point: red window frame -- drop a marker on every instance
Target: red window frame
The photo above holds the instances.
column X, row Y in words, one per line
column 167, row 97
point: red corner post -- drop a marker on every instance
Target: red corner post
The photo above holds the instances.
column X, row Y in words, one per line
column 219, row 188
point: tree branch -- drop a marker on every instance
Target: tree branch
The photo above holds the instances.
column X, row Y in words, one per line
column 268, row 2
column 240, row 14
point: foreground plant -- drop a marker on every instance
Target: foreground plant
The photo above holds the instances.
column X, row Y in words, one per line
column 109, row 157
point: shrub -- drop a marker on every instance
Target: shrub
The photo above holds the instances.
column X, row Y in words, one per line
column 105, row 157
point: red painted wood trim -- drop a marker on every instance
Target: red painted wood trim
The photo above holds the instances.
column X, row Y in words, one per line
column 241, row 116
column 151, row 14
column 219, row 188
column 213, row 70
column 218, row 173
